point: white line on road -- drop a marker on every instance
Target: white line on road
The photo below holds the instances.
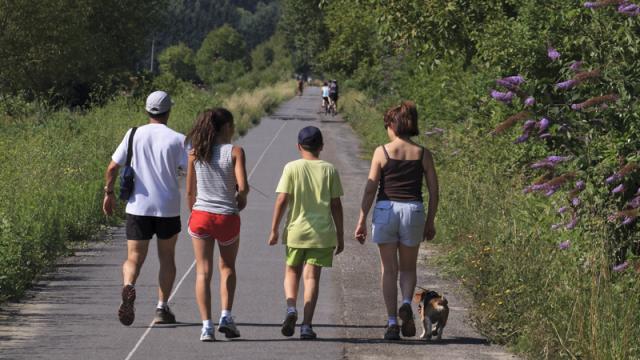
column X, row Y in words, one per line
column 175, row 290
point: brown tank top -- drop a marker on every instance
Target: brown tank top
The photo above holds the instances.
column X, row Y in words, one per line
column 401, row 180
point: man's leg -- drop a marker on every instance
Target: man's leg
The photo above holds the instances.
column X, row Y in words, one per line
column 136, row 254
column 311, row 287
column 167, row 275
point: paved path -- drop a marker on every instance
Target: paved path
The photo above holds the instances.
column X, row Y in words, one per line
column 71, row 314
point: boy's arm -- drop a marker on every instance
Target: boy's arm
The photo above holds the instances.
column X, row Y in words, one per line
column 278, row 212
column 336, row 213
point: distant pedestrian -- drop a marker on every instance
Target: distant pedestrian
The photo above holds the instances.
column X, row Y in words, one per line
column 217, row 191
column 300, row 88
column 311, row 188
column 399, row 221
column 153, row 207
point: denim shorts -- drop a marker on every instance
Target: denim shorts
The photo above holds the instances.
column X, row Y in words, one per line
column 397, row 221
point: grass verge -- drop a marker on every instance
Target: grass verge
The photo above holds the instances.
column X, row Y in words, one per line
column 51, row 177
column 543, row 301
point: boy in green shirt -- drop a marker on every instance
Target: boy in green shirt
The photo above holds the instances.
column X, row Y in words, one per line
column 311, row 188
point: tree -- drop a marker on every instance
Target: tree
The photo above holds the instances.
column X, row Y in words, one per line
column 178, row 60
column 64, row 48
column 221, row 56
column 303, row 26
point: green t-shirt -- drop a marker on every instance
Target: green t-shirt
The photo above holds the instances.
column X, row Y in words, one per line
column 311, row 184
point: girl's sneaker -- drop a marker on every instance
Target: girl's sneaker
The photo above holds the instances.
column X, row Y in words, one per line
column 207, row 335
column 228, row 327
column 392, row 332
column 408, row 324
column 307, row 333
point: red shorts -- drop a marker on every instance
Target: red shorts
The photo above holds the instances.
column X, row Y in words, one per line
column 206, row 225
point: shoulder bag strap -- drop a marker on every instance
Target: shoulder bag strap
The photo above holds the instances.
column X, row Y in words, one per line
column 130, row 146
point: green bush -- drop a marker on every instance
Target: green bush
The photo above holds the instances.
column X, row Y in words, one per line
column 178, row 60
column 221, row 56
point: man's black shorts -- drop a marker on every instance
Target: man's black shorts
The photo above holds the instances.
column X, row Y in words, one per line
column 144, row 227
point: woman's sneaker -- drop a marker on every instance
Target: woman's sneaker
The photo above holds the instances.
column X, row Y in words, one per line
column 408, row 324
column 207, row 335
column 126, row 312
column 228, row 327
column 307, row 333
column 392, row 332
column 164, row 316
column 289, row 324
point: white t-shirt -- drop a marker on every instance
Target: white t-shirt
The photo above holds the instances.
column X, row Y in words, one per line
column 325, row 91
column 158, row 152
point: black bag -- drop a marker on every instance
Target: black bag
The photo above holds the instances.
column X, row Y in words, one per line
column 127, row 174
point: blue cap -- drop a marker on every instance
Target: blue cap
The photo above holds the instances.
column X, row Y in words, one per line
column 310, row 135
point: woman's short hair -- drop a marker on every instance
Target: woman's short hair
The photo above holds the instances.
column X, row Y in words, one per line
column 403, row 119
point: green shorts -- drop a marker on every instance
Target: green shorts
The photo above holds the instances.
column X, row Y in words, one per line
column 322, row 257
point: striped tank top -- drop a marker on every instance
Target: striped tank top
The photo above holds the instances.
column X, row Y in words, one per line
column 216, row 182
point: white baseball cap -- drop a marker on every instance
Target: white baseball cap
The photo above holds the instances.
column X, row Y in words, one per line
column 158, row 102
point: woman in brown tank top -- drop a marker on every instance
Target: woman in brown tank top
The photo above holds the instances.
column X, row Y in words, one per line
column 399, row 220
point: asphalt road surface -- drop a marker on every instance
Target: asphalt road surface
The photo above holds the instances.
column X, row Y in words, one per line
column 72, row 312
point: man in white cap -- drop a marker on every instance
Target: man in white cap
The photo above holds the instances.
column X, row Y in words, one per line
column 153, row 207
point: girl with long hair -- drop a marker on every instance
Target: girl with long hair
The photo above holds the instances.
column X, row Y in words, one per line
column 217, row 191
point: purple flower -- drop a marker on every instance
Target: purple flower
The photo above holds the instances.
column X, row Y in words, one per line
column 580, row 185
column 566, row 85
column 629, row 9
column 564, row 245
column 510, row 82
column 528, row 125
column 575, row 201
column 628, row 220
column 530, row 101
column 591, row 5
column 557, row 159
column 638, row 191
column 576, row 65
column 614, row 178
column 572, row 224
column 502, row 96
column 542, row 125
column 618, row 189
column 553, row 54
column 576, row 107
column 562, row 210
column 522, row 138
column 635, row 202
column 551, row 192
column 621, row 267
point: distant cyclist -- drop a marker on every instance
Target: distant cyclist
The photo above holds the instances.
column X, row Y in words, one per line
column 325, row 95
column 333, row 92
column 300, row 85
